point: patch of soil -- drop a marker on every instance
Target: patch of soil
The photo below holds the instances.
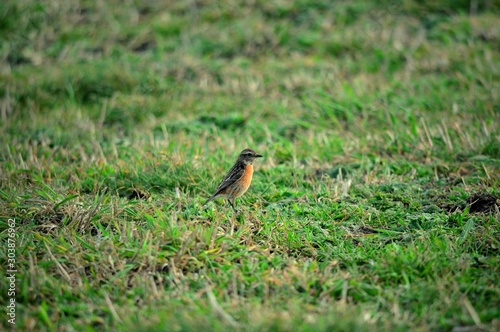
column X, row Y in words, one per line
column 483, row 203
column 367, row 230
column 138, row 194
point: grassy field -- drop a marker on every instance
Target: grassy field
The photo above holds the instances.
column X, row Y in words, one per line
column 375, row 207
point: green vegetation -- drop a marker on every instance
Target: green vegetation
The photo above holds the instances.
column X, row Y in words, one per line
column 375, row 207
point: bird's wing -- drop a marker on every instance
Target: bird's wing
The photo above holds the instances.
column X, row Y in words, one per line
column 233, row 175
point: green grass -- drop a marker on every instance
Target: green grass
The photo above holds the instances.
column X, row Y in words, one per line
column 375, row 207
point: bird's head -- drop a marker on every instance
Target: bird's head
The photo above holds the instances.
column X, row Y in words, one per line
column 247, row 156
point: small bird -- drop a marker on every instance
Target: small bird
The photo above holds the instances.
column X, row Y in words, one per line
column 237, row 180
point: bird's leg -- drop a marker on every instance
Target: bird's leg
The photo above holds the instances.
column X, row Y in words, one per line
column 232, row 205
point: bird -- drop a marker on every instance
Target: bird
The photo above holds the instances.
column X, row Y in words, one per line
column 237, row 180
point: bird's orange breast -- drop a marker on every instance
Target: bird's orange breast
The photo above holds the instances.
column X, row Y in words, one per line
column 246, row 179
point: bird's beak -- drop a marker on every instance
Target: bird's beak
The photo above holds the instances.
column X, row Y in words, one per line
column 258, row 156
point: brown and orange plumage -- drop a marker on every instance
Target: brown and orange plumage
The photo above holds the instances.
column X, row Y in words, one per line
column 238, row 178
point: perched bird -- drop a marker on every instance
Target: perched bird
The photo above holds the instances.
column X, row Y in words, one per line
column 237, row 180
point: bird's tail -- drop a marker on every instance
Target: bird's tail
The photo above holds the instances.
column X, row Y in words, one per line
column 208, row 201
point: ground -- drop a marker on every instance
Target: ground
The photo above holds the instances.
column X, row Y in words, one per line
column 375, row 207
